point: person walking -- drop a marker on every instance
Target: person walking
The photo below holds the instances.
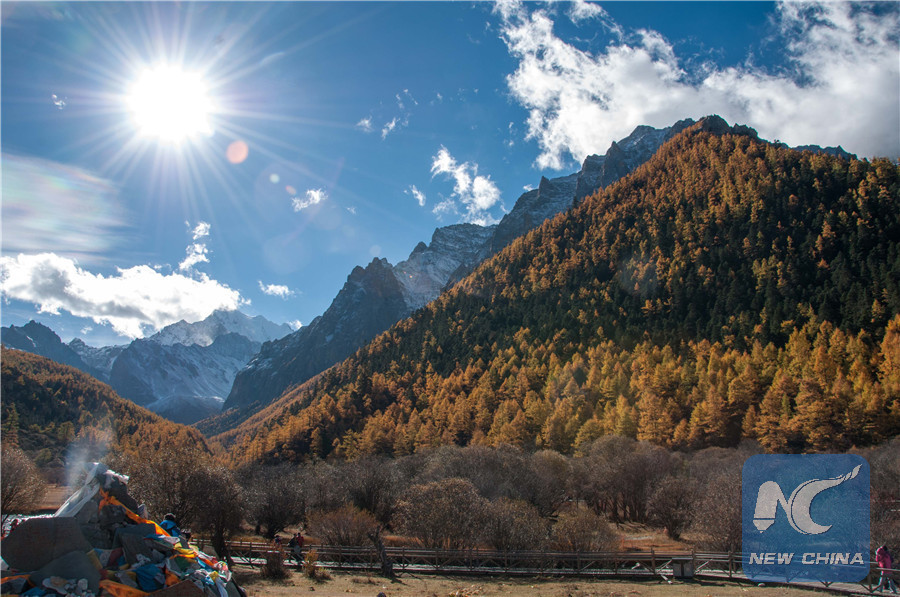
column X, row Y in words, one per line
column 885, row 562
column 296, row 545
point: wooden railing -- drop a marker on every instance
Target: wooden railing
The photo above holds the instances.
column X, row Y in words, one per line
column 665, row 565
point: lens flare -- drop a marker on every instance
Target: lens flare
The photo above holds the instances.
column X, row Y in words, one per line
column 237, row 152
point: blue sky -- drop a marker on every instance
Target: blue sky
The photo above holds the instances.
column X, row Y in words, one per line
column 322, row 135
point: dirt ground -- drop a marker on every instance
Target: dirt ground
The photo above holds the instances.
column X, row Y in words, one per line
column 342, row 584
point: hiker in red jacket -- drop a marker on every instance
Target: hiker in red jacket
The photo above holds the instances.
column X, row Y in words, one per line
column 885, row 562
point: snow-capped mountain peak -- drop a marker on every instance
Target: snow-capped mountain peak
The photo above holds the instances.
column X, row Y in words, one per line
column 205, row 332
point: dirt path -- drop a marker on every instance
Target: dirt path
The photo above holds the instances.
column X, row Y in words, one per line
column 343, row 584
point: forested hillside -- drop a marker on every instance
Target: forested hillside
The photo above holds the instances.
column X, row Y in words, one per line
column 57, row 415
column 729, row 288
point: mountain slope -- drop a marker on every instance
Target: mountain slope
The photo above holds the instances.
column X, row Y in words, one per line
column 38, row 339
column 58, row 414
column 453, row 253
column 728, row 288
column 99, row 359
column 184, row 371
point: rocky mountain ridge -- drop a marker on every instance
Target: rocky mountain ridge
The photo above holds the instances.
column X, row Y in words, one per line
column 183, row 372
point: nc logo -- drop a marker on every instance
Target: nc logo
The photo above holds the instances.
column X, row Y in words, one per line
column 797, row 506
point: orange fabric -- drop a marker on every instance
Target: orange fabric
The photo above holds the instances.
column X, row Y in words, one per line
column 171, row 578
column 108, row 500
column 119, row 590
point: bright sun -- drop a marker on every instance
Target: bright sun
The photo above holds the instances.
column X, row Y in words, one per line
column 170, row 104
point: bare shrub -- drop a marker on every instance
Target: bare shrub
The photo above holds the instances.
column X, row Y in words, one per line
column 274, row 495
column 372, row 484
column 617, row 475
column 582, row 530
column 445, row 514
column 548, row 486
column 311, row 567
column 323, row 485
column 345, row 526
column 717, row 516
column 274, row 567
column 672, row 505
column 494, row 471
column 21, row 485
column 884, row 469
column 514, row 525
column 167, row 481
column 224, row 510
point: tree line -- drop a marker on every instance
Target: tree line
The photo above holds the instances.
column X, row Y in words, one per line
column 479, row 496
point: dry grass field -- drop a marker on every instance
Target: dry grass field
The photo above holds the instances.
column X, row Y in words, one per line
column 342, row 584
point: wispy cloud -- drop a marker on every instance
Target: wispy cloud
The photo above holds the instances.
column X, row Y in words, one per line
column 388, row 127
column 278, row 290
column 394, row 118
column 48, row 206
column 581, row 10
column 201, row 230
column 135, row 301
column 296, row 324
column 476, row 192
column 196, row 252
column 313, row 197
column 841, row 57
column 417, row 194
column 366, row 124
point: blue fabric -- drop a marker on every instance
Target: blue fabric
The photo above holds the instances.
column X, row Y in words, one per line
column 150, row 578
column 171, row 528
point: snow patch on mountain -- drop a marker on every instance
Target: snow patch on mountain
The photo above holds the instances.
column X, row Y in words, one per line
column 203, row 333
column 425, row 273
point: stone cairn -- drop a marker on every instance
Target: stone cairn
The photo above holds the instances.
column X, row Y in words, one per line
column 100, row 544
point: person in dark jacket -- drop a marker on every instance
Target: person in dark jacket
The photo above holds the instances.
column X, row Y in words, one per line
column 296, row 545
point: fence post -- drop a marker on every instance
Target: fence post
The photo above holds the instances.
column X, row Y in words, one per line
column 652, row 560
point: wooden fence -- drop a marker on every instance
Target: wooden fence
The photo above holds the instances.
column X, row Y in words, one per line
column 664, row 565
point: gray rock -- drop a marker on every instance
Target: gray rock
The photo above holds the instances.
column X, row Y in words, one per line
column 38, row 541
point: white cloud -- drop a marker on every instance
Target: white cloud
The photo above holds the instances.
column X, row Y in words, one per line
column 446, row 207
column 366, row 124
column 388, row 127
column 580, row 10
column 478, row 193
column 399, row 117
column 196, row 253
column 841, row 88
column 417, row 194
column 296, row 324
column 200, row 230
column 276, row 290
column 134, row 301
column 313, row 197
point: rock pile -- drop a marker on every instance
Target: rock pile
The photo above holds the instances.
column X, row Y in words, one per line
column 100, row 544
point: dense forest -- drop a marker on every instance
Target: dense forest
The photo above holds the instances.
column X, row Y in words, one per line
column 58, row 415
column 729, row 288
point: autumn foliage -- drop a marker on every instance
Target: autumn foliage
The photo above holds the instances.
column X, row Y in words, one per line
column 58, row 416
column 728, row 289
